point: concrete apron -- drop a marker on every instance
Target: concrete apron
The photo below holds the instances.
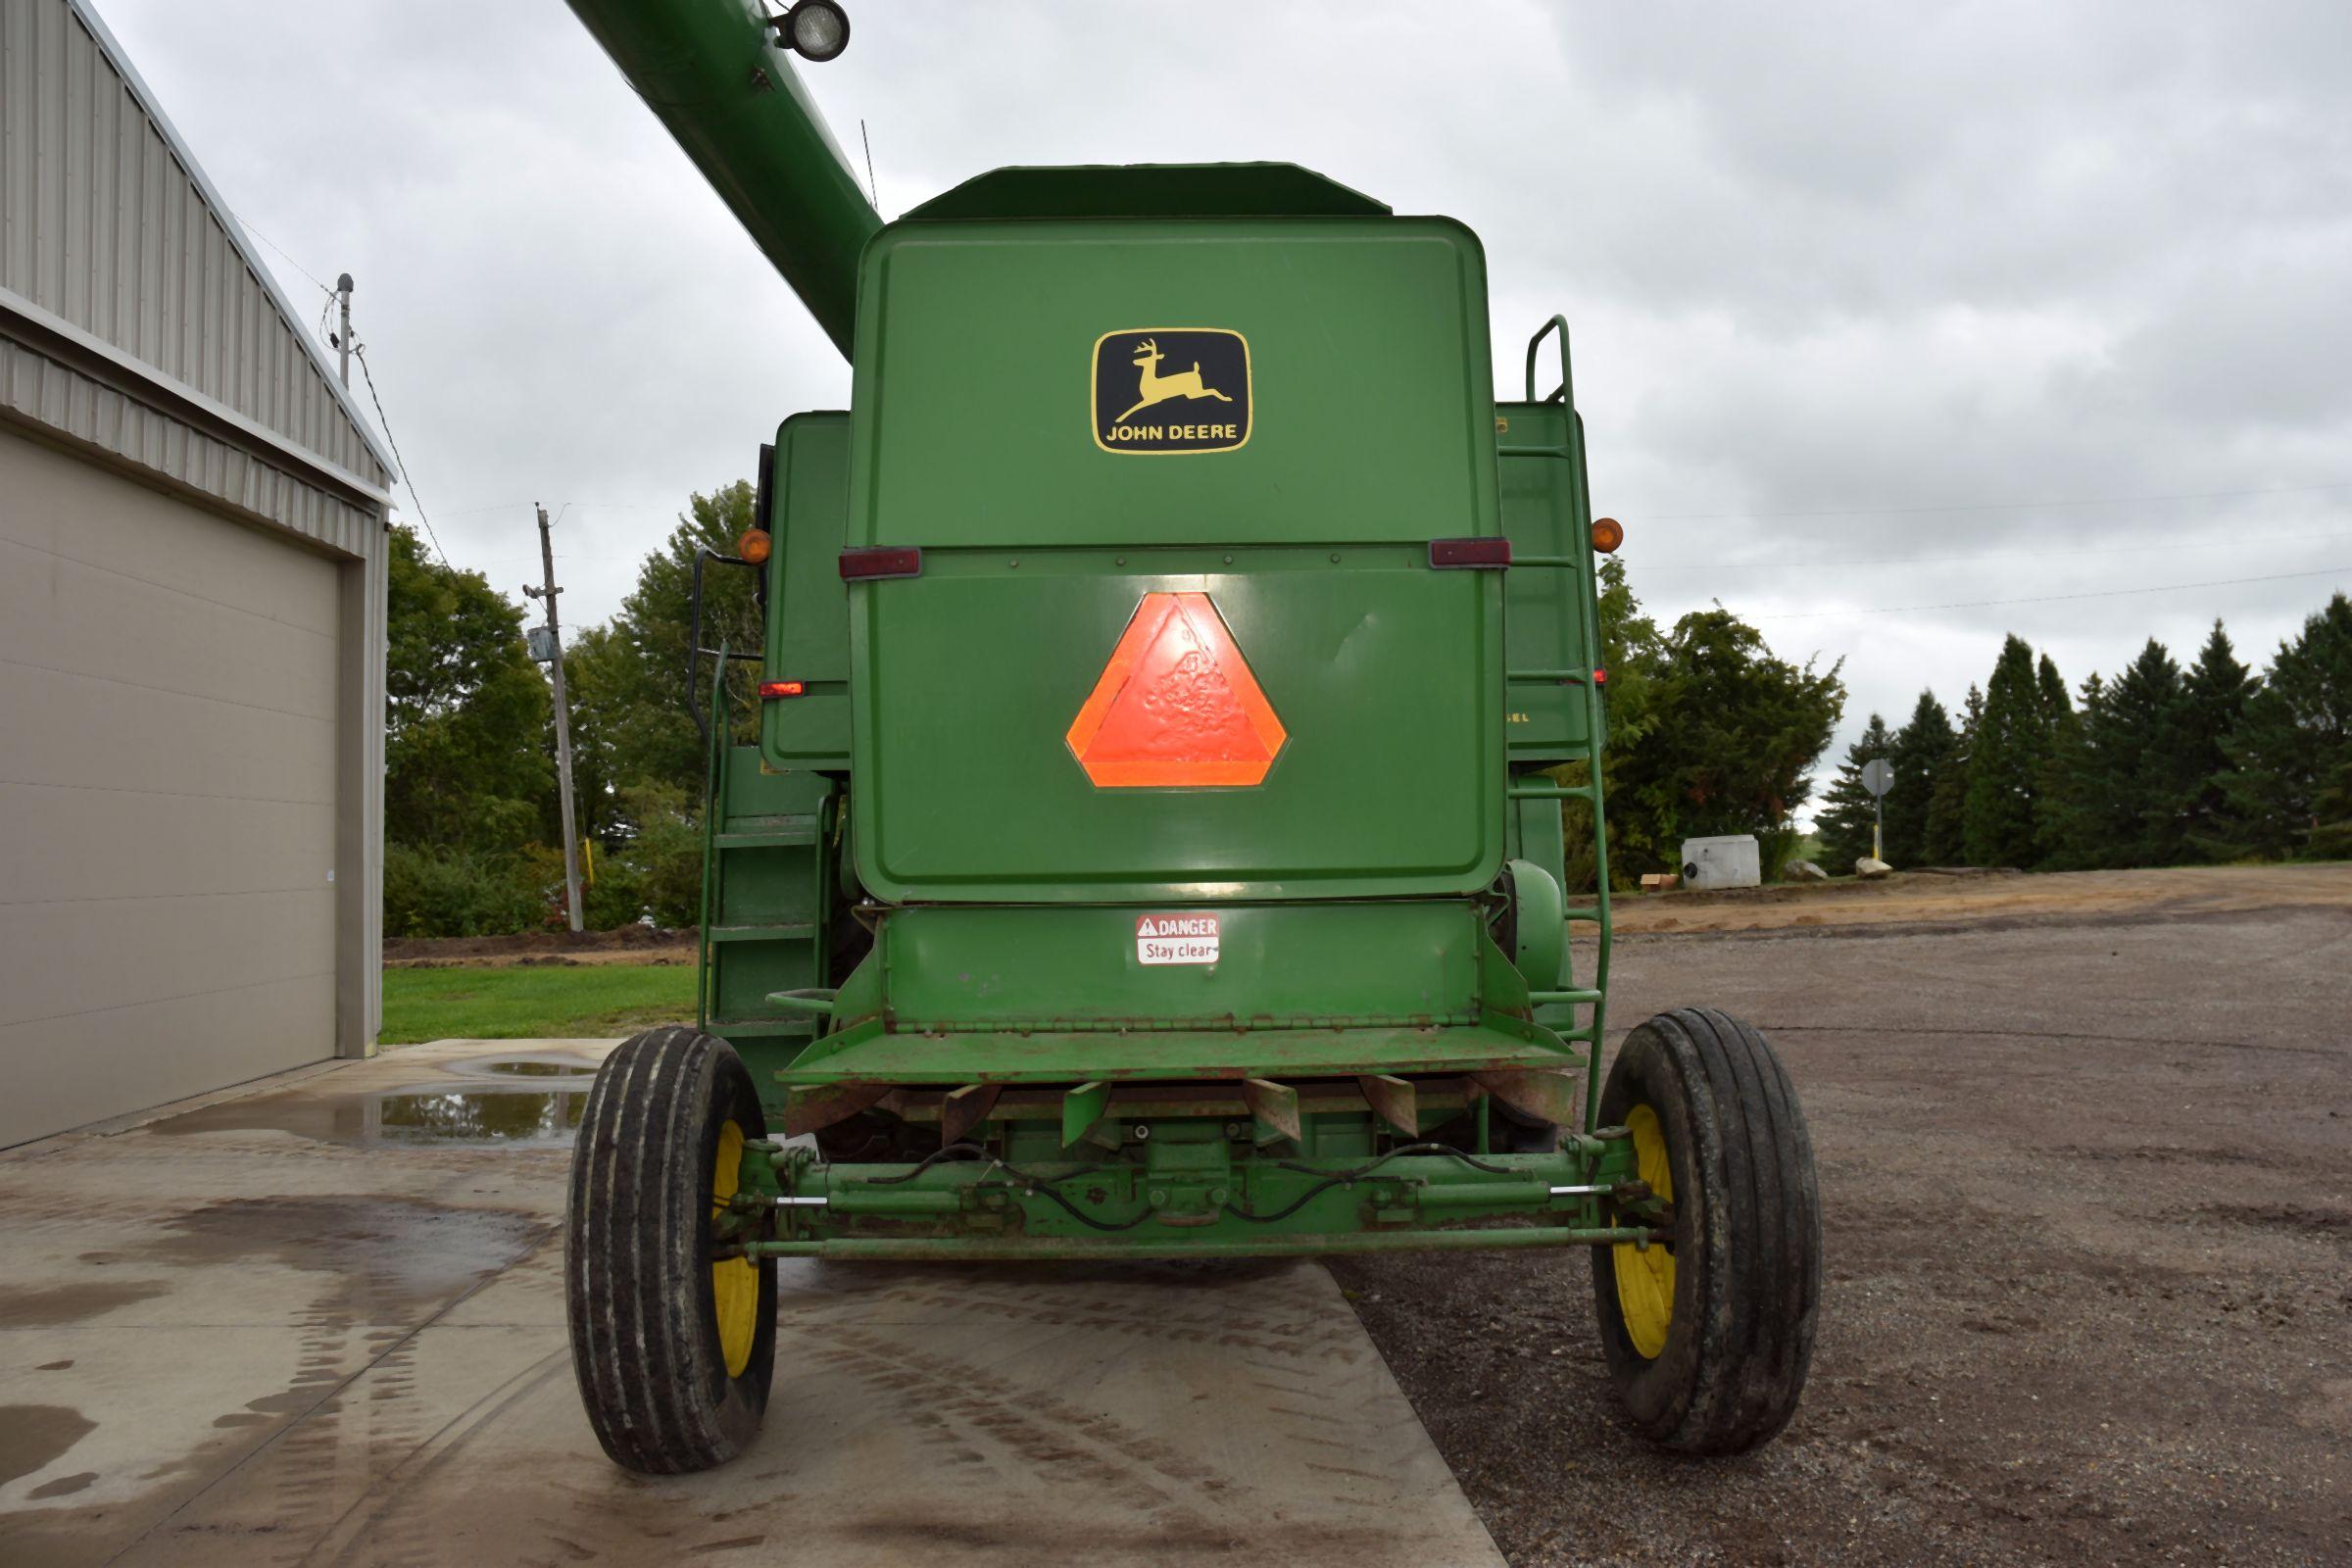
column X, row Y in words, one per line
column 323, row 1323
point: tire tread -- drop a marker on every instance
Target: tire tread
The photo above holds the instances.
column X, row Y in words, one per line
column 1733, row 1375
column 635, row 1233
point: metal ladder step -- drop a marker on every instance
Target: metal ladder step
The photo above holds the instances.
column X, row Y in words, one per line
column 799, row 931
column 766, row 838
column 780, row 1024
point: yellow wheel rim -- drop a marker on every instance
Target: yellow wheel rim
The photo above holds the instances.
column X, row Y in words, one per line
column 734, row 1280
column 1645, row 1276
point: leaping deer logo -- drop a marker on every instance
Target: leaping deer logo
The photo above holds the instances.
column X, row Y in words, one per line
column 1158, row 388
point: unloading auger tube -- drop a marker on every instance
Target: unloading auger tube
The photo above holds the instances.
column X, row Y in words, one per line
column 1180, row 679
column 713, row 73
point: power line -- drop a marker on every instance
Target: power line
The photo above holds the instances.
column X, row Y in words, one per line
column 2053, row 598
column 281, row 250
column 1992, row 505
column 360, row 354
column 596, row 506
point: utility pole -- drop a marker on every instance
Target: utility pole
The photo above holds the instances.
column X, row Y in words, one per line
column 343, row 330
column 555, row 638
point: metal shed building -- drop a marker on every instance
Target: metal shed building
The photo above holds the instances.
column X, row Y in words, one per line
column 192, row 569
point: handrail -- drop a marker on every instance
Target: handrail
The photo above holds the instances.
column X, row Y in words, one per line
column 817, row 999
column 714, row 806
column 1571, row 448
column 1565, row 393
column 696, row 652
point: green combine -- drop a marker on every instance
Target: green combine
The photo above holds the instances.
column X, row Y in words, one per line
column 1149, row 859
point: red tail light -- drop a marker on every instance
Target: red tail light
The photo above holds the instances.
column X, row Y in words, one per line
column 867, row 563
column 1458, row 554
column 771, row 689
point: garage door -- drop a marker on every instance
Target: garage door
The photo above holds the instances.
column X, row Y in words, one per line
column 167, row 796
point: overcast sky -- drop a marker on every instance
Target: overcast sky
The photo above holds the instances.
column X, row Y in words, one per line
column 1878, row 309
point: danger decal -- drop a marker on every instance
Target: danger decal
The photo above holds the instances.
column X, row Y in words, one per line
column 1176, row 939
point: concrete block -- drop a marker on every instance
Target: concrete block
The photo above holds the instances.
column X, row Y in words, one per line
column 1729, row 861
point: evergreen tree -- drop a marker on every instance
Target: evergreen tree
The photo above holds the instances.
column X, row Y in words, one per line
column 1920, row 752
column 1947, row 797
column 2214, row 699
column 2058, row 762
column 1845, row 822
column 2069, row 817
column 2289, row 753
column 2005, row 766
column 2331, row 814
column 2055, row 708
column 2141, row 776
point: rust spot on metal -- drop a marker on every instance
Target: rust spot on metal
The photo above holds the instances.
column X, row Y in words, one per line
column 1547, row 1096
column 965, row 1109
column 827, row 1103
column 1394, row 1101
column 1273, row 1106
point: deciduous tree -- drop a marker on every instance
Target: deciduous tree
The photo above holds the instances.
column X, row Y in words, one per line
column 629, row 678
column 466, row 761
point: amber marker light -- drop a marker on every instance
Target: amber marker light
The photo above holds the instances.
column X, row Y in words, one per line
column 753, row 546
column 1607, row 534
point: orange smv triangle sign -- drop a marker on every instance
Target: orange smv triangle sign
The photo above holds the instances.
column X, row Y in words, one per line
column 1176, row 705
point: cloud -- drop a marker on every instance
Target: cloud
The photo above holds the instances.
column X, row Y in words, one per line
column 1969, row 290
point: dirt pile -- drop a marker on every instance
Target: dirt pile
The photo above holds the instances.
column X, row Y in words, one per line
column 630, row 944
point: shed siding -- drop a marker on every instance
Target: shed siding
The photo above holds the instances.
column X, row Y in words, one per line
column 192, row 575
column 169, row 880
column 102, row 224
column 75, row 403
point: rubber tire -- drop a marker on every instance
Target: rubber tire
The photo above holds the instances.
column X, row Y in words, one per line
column 1748, row 1254
column 637, row 1287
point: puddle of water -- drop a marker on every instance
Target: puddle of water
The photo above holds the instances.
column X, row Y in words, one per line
column 32, row 1435
column 45, row 1306
column 484, row 1113
column 384, row 1257
column 496, row 1117
column 540, row 1069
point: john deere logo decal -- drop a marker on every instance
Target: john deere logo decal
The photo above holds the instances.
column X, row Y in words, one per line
column 1171, row 389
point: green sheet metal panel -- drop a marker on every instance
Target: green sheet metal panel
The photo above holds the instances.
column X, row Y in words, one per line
column 1383, row 674
column 1148, row 190
column 1048, row 1056
column 1277, row 966
column 807, row 602
column 1369, row 434
column 1545, row 514
column 1370, row 386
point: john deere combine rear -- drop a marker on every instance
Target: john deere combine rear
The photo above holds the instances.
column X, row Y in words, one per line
column 1149, row 849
